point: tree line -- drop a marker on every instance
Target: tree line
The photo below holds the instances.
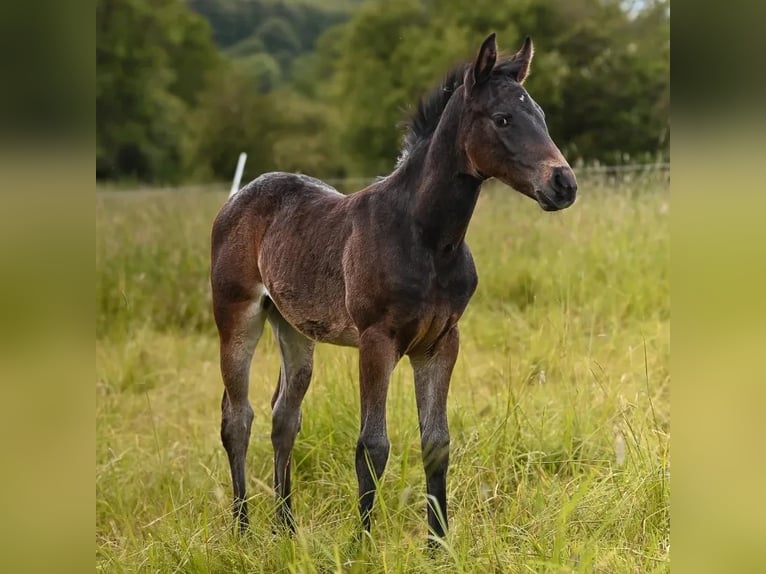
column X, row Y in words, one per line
column 323, row 87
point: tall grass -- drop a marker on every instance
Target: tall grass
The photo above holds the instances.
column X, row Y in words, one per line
column 559, row 406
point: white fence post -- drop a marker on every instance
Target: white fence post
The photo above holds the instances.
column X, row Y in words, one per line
column 238, row 174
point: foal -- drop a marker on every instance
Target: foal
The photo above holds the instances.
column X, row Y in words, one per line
column 385, row 269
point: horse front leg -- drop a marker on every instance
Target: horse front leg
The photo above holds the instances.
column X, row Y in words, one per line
column 433, row 372
column 377, row 357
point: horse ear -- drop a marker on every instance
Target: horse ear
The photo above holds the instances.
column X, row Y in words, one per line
column 521, row 60
column 485, row 61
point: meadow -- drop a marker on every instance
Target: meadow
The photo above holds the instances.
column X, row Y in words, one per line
column 559, row 406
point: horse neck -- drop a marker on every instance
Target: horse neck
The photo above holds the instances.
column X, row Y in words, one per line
column 445, row 193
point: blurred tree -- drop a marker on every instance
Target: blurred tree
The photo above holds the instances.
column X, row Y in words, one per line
column 307, row 136
column 152, row 58
column 279, row 41
column 233, row 21
column 263, row 69
column 324, row 87
column 244, row 48
column 278, row 36
column 370, row 86
column 232, row 117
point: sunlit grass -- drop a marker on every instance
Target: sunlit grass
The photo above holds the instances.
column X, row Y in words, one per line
column 559, row 405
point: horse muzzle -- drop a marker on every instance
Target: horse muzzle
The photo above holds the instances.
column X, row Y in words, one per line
column 560, row 191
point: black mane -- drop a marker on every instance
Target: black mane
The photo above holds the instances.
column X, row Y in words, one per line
column 424, row 120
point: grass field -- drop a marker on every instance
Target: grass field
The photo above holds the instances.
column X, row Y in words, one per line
column 559, row 406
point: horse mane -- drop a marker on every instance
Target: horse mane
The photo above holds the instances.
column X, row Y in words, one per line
column 428, row 112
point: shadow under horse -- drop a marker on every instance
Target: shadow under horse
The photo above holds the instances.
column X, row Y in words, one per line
column 385, row 269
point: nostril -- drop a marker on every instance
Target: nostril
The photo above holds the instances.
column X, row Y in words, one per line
column 564, row 179
column 558, row 179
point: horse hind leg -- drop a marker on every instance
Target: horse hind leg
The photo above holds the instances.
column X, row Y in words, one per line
column 240, row 326
column 297, row 358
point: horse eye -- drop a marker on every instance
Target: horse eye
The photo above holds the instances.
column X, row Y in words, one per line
column 501, row 121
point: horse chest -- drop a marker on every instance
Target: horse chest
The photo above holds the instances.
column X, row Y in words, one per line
column 449, row 293
column 446, row 284
column 421, row 327
column 430, row 305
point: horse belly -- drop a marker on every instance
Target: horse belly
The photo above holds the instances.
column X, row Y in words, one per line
column 325, row 323
column 311, row 303
column 311, row 300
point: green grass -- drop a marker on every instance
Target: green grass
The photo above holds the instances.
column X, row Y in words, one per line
column 559, row 406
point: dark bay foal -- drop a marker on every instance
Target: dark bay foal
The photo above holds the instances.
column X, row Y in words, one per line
column 385, row 269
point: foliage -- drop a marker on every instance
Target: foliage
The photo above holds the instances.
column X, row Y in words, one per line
column 326, row 86
column 307, row 136
column 235, row 21
column 232, row 117
column 559, row 406
column 263, row 69
column 152, row 60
